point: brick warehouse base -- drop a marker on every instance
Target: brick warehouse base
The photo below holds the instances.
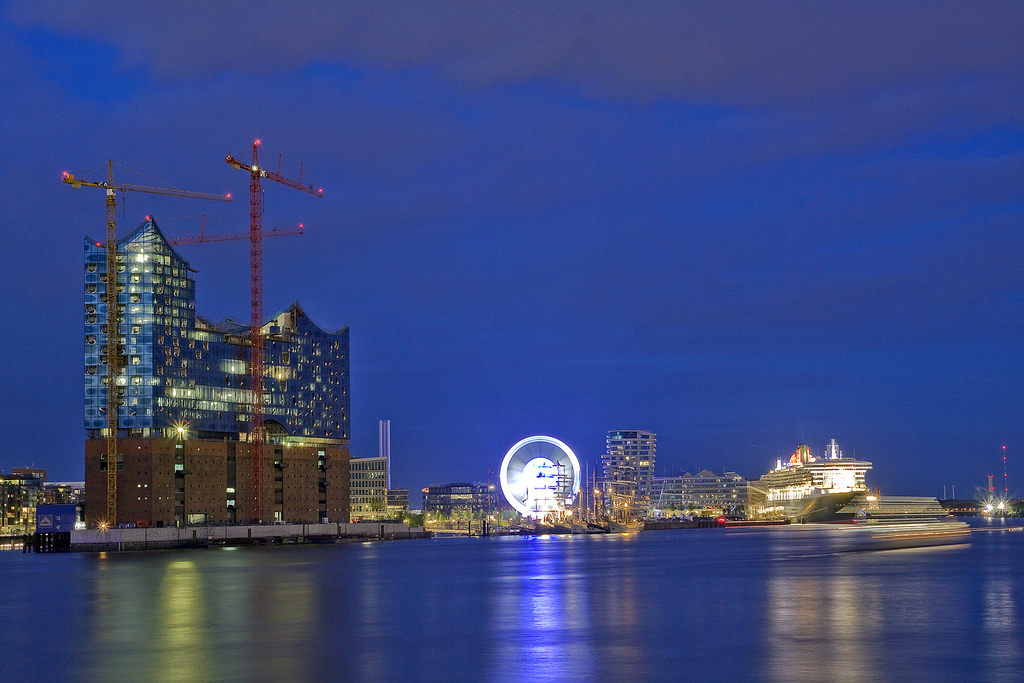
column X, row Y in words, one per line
column 171, row 482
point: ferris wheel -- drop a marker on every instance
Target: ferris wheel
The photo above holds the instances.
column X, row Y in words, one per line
column 540, row 475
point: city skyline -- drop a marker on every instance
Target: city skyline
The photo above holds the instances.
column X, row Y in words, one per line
column 742, row 231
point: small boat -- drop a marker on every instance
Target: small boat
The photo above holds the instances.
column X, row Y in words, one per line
column 898, row 535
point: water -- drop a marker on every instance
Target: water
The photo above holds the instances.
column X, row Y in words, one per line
column 750, row 604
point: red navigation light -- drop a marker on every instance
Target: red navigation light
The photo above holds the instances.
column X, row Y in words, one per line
column 256, row 142
column 98, row 244
column 65, row 174
column 229, row 195
column 149, row 218
column 321, row 190
column 300, row 225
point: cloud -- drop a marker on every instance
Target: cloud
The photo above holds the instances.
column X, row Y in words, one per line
column 717, row 220
column 734, row 52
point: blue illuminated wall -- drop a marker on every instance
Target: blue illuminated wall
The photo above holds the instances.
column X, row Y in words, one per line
column 179, row 367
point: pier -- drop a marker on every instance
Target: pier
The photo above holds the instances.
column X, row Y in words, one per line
column 216, row 536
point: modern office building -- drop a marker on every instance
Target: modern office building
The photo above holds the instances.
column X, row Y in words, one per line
column 368, row 488
column 397, row 502
column 181, row 368
column 25, row 488
column 704, row 493
column 19, row 495
column 628, row 465
column 184, row 417
column 461, row 500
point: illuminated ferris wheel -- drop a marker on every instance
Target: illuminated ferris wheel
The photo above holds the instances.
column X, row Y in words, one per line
column 540, row 475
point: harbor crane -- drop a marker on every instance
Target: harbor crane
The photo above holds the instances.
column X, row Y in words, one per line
column 115, row 349
column 257, row 436
column 203, row 238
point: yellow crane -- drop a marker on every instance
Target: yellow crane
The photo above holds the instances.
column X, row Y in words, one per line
column 114, row 348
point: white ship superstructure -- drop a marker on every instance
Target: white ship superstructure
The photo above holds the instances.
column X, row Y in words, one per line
column 806, row 487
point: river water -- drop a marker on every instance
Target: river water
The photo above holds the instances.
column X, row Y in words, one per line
column 706, row 605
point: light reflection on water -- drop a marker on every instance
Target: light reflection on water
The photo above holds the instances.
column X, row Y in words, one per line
column 821, row 628
column 760, row 605
column 1001, row 619
column 182, row 646
column 541, row 616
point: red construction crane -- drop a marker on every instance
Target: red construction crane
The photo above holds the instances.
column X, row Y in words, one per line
column 257, row 437
column 114, row 348
column 203, row 238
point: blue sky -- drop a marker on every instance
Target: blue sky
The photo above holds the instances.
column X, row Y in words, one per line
column 743, row 226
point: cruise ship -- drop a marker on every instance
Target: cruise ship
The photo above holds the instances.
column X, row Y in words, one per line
column 808, row 488
column 832, row 489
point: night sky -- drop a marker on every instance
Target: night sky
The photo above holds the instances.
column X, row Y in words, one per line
column 743, row 226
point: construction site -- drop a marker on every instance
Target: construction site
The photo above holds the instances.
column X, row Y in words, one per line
column 189, row 421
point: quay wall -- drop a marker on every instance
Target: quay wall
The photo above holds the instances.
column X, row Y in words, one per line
column 267, row 534
column 708, row 523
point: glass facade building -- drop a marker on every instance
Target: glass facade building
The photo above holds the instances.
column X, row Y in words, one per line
column 628, row 465
column 463, row 500
column 19, row 495
column 368, row 488
column 701, row 493
column 180, row 370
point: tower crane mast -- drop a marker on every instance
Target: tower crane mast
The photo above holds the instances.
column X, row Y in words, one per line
column 114, row 347
column 257, row 436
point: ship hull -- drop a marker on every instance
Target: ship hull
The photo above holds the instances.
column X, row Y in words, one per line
column 821, row 507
